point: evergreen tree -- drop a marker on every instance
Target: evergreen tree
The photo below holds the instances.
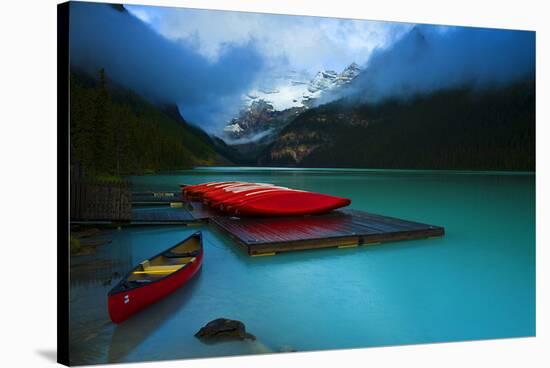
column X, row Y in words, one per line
column 101, row 126
column 116, row 132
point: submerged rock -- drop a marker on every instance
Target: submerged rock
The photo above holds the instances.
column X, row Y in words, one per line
column 224, row 329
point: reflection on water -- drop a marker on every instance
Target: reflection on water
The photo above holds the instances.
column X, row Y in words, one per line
column 127, row 336
column 105, row 266
column 477, row 282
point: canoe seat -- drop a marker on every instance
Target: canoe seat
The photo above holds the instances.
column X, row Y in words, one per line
column 170, row 254
column 158, row 270
column 161, row 269
column 167, row 268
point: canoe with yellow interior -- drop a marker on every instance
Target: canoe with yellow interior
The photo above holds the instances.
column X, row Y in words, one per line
column 155, row 278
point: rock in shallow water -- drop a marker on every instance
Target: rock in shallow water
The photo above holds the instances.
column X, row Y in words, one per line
column 224, row 329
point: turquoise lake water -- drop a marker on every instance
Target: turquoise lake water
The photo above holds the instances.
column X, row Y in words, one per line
column 476, row 282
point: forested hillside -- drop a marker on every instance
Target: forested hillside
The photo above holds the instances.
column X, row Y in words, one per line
column 466, row 129
column 115, row 132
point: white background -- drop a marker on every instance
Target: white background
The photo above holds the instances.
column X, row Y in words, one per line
column 28, row 183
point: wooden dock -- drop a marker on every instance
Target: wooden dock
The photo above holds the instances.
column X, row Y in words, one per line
column 268, row 236
column 163, row 212
column 156, row 198
column 344, row 228
column 162, row 216
column 177, row 213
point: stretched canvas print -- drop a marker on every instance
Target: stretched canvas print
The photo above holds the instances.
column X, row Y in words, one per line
column 238, row 183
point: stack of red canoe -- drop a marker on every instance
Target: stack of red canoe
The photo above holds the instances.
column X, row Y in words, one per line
column 259, row 199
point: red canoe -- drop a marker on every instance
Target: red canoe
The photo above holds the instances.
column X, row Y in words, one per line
column 288, row 203
column 258, row 199
column 190, row 189
column 231, row 203
column 225, row 200
column 227, row 193
column 198, row 191
column 220, row 189
column 155, row 278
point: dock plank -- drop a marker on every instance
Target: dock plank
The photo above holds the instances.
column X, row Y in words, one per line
column 155, row 198
column 271, row 235
column 338, row 228
column 162, row 216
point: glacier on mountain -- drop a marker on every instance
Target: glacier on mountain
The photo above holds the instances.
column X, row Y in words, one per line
column 281, row 96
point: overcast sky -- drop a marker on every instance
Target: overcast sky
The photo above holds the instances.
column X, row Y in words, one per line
column 285, row 42
column 206, row 61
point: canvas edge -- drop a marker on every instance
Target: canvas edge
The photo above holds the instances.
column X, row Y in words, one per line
column 62, row 183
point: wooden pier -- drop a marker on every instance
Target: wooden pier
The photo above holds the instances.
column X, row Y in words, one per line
column 177, row 213
column 162, row 216
column 344, row 228
column 156, row 198
column 271, row 235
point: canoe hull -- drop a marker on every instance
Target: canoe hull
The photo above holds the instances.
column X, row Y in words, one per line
column 261, row 199
column 196, row 192
column 124, row 304
column 288, row 204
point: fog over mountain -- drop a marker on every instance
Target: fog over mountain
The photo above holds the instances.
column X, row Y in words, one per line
column 268, row 111
column 134, row 55
column 215, row 64
column 440, row 97
column 432, row 58
column 293, row 49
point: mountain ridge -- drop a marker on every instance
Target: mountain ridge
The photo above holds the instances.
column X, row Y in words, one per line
column 261, row 117
column 459, row 128
column 114, row 131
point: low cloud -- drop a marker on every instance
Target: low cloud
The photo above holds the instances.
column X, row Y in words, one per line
column 134, row 55
column 431, row 58
column 249, row 139
column 285, row 41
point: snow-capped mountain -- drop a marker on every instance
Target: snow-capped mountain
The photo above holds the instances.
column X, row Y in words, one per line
column 259, row 120
column 328, row 80
column 322, row 81
column 282, row 90
column 348, row 74
column 269, row 108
